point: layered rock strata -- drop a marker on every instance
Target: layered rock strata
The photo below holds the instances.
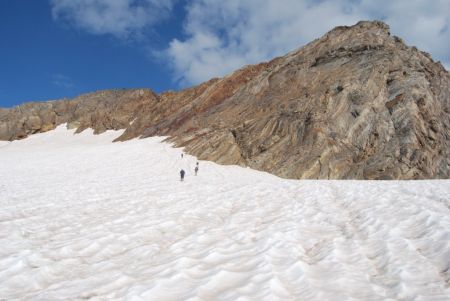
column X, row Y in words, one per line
column 355, row 104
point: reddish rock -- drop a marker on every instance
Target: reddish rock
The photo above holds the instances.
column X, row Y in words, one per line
column 355, row 104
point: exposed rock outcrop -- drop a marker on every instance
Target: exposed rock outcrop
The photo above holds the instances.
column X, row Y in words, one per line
column 355, row 104
column 104, row 110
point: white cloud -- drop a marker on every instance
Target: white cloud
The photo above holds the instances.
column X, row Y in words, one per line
column 222, row 36
column 121, row 18
column 422, row 23
column 62, row 80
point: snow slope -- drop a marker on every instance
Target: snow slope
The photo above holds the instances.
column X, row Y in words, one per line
column 82, row 218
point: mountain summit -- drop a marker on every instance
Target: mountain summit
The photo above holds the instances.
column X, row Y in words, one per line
column 355, row 104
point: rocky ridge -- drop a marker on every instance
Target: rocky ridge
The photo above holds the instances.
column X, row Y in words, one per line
column 355, row 104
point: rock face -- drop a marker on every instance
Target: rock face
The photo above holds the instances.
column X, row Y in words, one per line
column 103, row 110
column 355, row 104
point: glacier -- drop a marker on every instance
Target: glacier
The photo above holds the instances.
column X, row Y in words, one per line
column 82, row 218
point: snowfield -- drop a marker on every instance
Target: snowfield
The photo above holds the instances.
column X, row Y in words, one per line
column 83, row 218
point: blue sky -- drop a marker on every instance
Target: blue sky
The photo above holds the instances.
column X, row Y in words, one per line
column 51, row 49
column 42, row 59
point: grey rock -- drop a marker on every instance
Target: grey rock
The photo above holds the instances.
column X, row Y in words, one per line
column 355, row 104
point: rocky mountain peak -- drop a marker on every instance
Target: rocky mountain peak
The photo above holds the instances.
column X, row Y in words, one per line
column 376, row 27
column 356, row 103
